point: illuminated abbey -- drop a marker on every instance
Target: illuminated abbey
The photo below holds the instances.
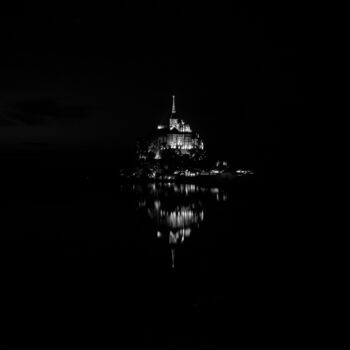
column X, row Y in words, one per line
column 176, row 134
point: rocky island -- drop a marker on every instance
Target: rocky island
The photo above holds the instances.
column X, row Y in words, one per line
column 176, row 152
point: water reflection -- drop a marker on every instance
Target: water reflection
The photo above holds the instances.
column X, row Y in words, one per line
column 176, row 210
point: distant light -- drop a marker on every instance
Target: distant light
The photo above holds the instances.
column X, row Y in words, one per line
column 187, row 232
column 244, row 172
column 159, row 234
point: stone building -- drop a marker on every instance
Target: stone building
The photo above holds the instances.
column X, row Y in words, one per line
column 175, row 134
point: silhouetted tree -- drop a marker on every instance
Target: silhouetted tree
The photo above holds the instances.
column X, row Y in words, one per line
column 170, row 158
column 197, row 154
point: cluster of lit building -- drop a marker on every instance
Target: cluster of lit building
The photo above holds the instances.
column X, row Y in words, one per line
column 170, row 141
column 175, row 134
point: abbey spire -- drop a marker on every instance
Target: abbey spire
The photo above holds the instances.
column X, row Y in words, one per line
column 173, row 111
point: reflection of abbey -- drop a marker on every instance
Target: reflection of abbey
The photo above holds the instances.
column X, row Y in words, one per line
column 176, row 134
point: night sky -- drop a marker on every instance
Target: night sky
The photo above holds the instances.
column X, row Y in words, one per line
column 97, row 78
column 78, row 86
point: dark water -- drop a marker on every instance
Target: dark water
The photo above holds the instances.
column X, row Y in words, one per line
column 161, row 264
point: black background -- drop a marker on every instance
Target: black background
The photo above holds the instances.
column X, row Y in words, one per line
column 78, row 85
